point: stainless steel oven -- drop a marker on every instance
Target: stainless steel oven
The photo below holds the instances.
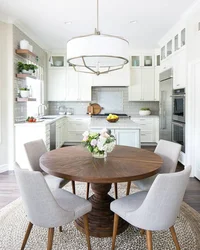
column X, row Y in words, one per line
column 178, row 133
column 178, row 105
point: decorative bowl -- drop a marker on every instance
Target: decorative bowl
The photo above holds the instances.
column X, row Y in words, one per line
column 144, row 112
column 112, row 120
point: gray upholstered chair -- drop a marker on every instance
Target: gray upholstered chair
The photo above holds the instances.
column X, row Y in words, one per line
column 156, row 209
column 49, row 209
column 169, row 152
column 34, row 150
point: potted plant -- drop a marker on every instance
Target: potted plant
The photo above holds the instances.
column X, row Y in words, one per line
column 24, row 92
column 145, row 111
column 25, row 68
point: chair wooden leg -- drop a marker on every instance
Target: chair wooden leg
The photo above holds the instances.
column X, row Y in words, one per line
column 116, row 192
column 142, row 231
column 128, row 187
column 173, row 233
column 50, row 238
column 87, row 191
column 60, row 228
column 30, row 225
column 86, row 227
column 73, row 187
column 115, row 226
column 149, row 240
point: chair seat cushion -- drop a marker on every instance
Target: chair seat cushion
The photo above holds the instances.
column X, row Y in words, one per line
column 128, row 203
column 72, row 202
column 55, row 182
column 146, row 183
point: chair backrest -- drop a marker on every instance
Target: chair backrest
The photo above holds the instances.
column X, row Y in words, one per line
column 34, row 150
column 162, row 203
column 40, row 205
column 169, row 152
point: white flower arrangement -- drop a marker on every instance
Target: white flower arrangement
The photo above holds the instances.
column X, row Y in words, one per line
column 99, row 143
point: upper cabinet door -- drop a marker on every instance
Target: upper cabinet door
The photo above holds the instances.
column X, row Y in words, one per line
column 148, row 89
column 135, row 88
column 72, row 92
column 180, row 69
column 85, row 86
column 56, row 84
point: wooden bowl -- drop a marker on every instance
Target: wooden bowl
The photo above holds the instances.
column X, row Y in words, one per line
column 112, row 120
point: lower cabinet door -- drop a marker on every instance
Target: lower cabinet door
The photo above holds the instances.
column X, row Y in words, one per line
column 128, row 137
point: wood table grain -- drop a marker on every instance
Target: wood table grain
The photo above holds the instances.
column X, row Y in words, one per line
column 121, row 165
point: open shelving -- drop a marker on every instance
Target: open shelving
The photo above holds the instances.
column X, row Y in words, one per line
column 27, row 99
column 20, row 75
column 25, row 53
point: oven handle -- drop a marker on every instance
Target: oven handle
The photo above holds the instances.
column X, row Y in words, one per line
column 177, row 95
column 179, row 124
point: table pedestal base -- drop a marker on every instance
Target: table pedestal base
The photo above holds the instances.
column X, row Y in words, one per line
column 101, row 217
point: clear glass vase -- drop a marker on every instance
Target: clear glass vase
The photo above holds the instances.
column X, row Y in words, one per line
column 98, row 155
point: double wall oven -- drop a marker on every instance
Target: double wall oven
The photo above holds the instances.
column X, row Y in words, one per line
column 178, row 117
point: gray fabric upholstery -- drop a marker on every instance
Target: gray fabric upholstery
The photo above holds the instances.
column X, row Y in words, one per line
column 34, row 150
column 169, row 152
column 45, row 208
column 158, row 208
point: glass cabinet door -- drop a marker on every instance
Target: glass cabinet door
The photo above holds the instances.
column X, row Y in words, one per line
column 135, row 61
column 148, row 61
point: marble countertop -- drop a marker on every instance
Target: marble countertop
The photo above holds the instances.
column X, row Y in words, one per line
column 122, row 123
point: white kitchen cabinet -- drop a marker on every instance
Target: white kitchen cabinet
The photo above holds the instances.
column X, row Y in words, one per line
column 142, row 87
column 149, row 129
column 157, row 84
column 60, row 132
column 76, row 126
column 119, row 77
column 78, row 86
column 142, row 60
column 29, row 132
column 124, row 137
column 180, row 70
column 127, row 137
column 56, row 84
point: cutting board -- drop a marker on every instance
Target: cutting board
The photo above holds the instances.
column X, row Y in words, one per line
column 94, row 108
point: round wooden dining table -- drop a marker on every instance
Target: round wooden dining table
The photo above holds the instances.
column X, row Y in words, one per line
column 123, row 164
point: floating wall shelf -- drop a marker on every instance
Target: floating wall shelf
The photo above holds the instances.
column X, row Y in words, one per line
column 25, row 53
column 25, row 75
column 30, row 99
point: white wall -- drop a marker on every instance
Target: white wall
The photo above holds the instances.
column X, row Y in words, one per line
column 6, row 97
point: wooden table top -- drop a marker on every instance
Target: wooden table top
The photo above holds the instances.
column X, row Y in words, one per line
column 121, row 165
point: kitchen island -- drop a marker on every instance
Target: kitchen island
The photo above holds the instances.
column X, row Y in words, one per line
column 126, row 131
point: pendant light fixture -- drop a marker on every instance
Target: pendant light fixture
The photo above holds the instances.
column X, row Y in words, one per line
column 97, row 53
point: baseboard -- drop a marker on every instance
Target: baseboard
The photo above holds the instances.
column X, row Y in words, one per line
column 3, row 168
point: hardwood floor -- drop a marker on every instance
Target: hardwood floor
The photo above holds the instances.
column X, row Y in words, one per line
column 9, row 190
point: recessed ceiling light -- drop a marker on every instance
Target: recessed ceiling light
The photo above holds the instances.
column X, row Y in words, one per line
column 133, row 21
column 69, row 22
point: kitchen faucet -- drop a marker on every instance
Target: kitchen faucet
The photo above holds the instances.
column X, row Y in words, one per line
column 45, row 107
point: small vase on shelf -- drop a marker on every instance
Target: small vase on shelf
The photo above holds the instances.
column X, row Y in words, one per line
column 99, row 155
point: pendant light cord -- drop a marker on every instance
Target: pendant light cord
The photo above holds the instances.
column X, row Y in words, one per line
column 97, row 32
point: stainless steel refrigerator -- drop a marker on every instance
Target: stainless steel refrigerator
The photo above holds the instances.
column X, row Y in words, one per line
column 165, row 105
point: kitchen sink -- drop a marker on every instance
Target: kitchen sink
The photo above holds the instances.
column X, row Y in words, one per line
column 49, row 117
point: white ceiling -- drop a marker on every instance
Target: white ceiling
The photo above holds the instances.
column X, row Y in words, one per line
column 44, row 19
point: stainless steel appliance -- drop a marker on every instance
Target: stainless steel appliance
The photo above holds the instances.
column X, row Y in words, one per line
column 178, row 105
column 178, row 133
column 165, row 105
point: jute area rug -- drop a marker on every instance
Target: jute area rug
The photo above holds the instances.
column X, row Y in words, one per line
column 13, row 224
